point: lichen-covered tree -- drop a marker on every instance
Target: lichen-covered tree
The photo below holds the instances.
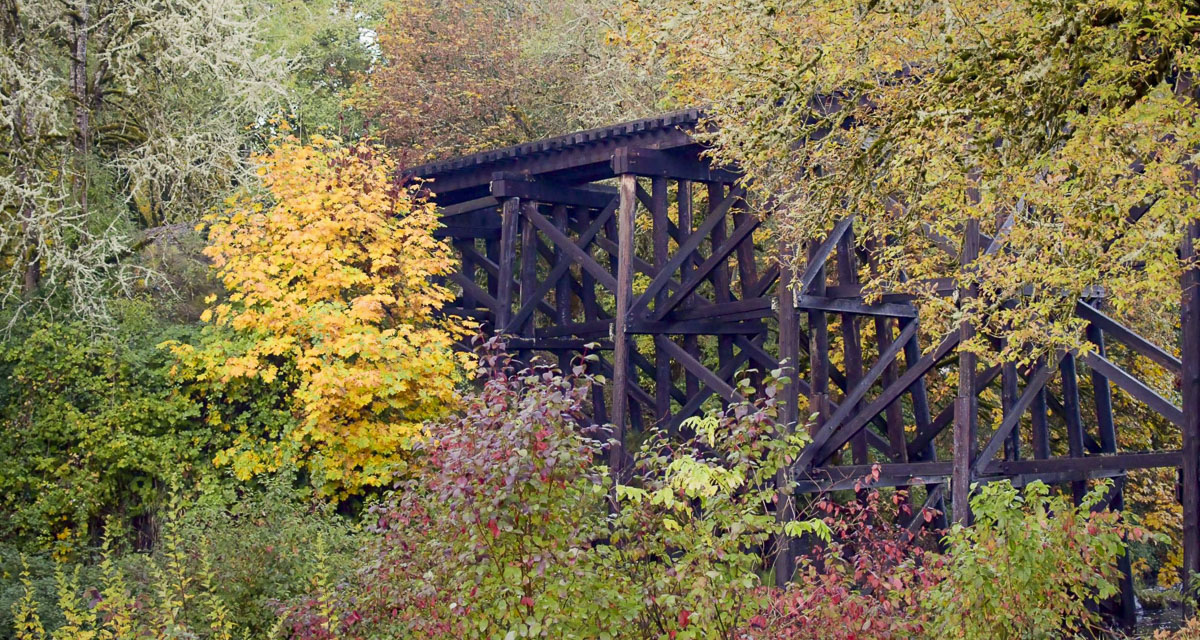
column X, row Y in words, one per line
column 119, row 117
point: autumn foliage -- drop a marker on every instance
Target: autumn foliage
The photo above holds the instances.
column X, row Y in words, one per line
column 449, row 82
column 330, row 273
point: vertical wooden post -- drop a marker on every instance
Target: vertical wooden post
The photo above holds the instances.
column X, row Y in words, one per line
column 662, row 362
column 691, row 342
column 1008, row 399
column 1037, row 416
column 562, row 289
column 847, row 270
column 591, row 312
column 468, row 269
column 492, row 249
column 789, row 356
column 529, row 253
column 923, row 419
column 965, row 403
column 1190, row 381
column 1102, row 393
column 818, row 349
column 1070, row 390
column 625, row 248
column 721, row 280
column 509, row 213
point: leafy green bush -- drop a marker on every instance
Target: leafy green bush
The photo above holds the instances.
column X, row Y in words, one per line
column 217, row 572
column 1029, row 565
column 697, row 533
column 91, row 427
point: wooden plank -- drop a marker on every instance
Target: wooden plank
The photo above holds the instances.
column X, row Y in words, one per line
column 598, row 327
column 829, row 438
column 529, row 256
column 818, row 344
column 1190, row 386
column 789, row 416
column 1134, row 387
column 652, row 162
column 966, row 408
column 661, row 238
column 470, row 206
column 893, row 411
column 593, row 197
column 1008, row 403
column 1040, row 428
column 1117, row 462
column 1127, row 336
column 466, row 232
column 1070, row 392
column 623, row 290
column 852, row 358
column 746, row 254
column 761, row 307
column 696, row 327
column 716, row 266
column 706, row 375
column 843, row 305
column 508, row 258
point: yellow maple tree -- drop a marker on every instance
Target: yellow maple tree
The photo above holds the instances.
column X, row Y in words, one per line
column 330, row 275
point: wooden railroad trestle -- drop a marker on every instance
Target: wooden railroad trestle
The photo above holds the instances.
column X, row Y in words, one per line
column 626, row 239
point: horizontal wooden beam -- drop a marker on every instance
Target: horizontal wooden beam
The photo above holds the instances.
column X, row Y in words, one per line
column 761, row 306
column 470, row 206
column 652, row 162
column 594, row 197
column 1114, row 462
column 695, row 327
column 557, row 344
column 461, row 231
column 844, row 305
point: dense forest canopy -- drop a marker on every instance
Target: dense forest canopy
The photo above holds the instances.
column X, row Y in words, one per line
column 231, row 403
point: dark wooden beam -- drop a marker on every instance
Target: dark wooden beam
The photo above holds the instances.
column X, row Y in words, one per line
column 843, row 305
column 654, row 163
column 592, row 197
column 829, row 438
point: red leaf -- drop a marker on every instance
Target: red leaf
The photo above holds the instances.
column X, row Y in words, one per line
column 494, row 529
column 684, row 614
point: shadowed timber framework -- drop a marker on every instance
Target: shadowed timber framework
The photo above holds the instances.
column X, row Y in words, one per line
column 626, row 237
